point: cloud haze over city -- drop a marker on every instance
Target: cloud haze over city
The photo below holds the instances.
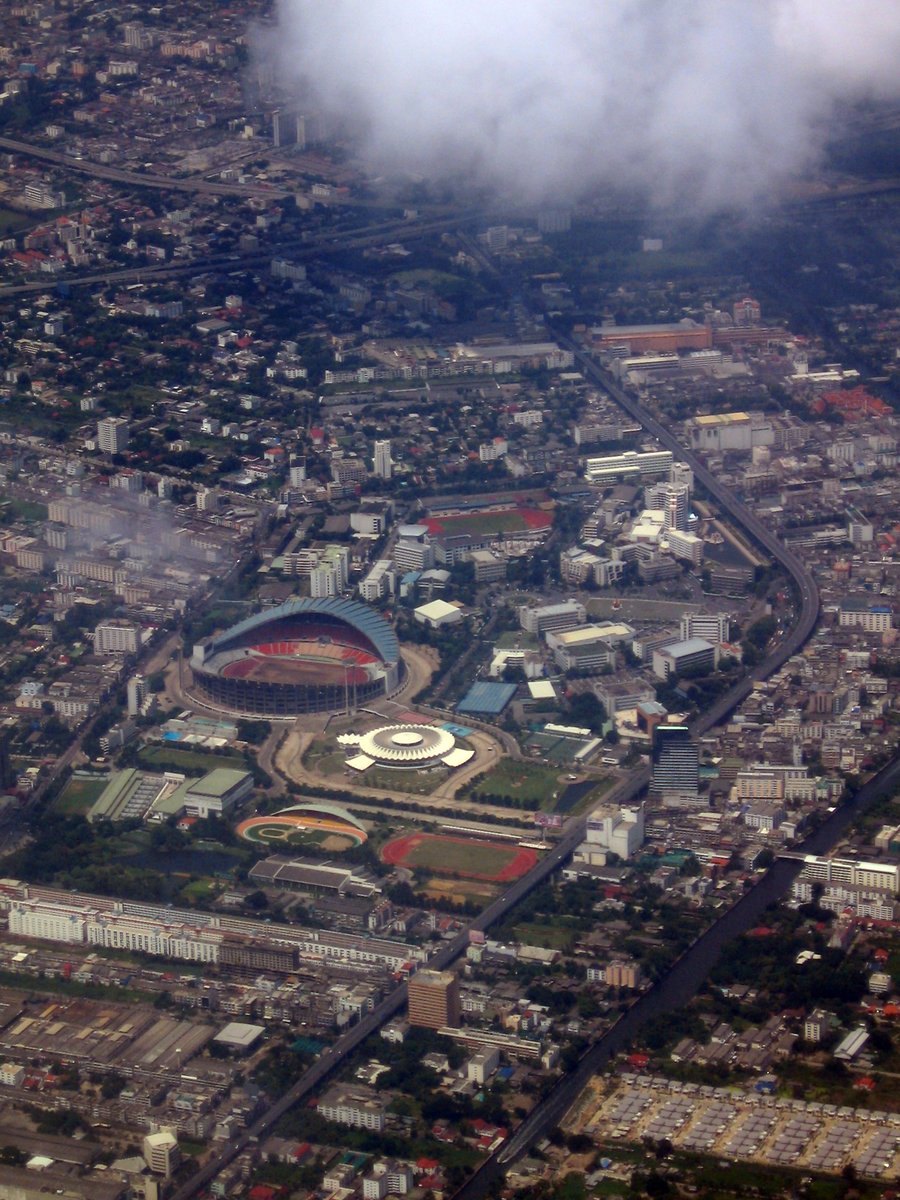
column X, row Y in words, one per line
column 716, row 103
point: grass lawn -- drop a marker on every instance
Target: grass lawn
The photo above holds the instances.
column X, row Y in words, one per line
column 594, row 795
column 333, row 765
column 23, row 510
column 509, row 521
column 79, row 794
column 163, row 756
column 466, row 857
column 421, row 783
column 458, row 891
column 423, row 275
column 530, row 783
column 326, row 762
column 198, row 890
column 192, row 1149
column 71, row 987
column 10, row 220
column 279, row 838
column 548, row 936
column 610, row 1187
column 512, row 639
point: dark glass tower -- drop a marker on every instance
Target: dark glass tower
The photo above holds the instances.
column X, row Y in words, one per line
column 675, row 778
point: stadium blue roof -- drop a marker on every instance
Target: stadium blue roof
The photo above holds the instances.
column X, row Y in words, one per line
column 488, row 698
column 360, row 616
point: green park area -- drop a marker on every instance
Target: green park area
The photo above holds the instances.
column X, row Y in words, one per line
column 424, row 275
column 516, row 639
column 11, row 221
column 550, row 936
column 22, row 510
column 521, row 784
column 168, row 758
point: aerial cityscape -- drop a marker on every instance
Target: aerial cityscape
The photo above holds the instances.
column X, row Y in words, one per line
column 449, row 562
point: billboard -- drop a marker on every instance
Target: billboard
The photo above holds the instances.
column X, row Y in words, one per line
column 548, row 820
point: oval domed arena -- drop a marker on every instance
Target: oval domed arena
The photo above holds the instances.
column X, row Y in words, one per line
column 305, row 656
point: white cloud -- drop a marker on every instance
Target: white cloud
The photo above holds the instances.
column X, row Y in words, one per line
column 711, row 103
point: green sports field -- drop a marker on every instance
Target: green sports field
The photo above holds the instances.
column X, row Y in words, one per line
column 522, row 782
column 467, row 857
column 463, row 858
column 79, row 794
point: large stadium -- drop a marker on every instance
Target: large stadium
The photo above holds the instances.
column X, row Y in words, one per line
column 306, row 656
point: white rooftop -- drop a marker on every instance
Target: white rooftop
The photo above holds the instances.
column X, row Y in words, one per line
column 542, row 689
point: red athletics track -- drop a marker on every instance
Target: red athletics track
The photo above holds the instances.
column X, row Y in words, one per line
column 396, row 852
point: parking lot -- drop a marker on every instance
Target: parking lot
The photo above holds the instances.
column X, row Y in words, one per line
column 742, row 1126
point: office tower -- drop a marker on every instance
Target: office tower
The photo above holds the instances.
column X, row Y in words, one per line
column 112, row 434
column 383, row 461
column 676, row 506
column 288, row 128
column 675, row 778
column 681, row 473
column 434, row 999
column 162, row 1152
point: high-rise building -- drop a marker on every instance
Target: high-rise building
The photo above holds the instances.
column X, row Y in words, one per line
column 137, row 691
column 117, row 637
column 434, row 999
column 676, row 776
column 288, row 128
column 413, row 550
column 680, row 472
column 623, row 974
column 161, row 1151
column 645, row 465
column 746, row 311
column 136, row 37
column 112, row 434
column 207, row 500
column 713, row 627
column 497, row 238
column 325, row 581
column 383, row 461
column 676, row 506
column 347, row 470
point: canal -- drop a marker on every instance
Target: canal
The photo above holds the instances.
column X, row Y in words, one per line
column 680, row 983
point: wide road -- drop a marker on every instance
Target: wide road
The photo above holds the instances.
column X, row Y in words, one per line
column 140, row 178
column 300, row 250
